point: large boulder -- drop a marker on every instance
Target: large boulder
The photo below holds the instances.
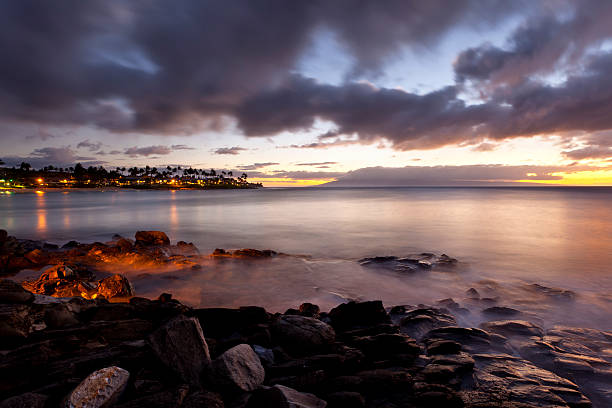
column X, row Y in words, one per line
column 362, row 314
column 101, row 388
column 302, row 334
column 280, row 396
column 181, row 346
column 115, row 286
column 238, row 369
column 149, row 238
column 12, row 292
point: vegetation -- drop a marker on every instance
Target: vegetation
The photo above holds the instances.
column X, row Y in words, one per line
column 133, row 177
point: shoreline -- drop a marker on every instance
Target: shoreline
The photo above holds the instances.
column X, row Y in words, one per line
column 163, row 353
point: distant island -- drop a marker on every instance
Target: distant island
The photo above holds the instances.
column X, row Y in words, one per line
column 152, row 178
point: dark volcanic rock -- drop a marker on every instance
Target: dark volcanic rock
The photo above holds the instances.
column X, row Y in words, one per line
column 280, row 396
column 418, row 322
column 12, row 292
column 149, row 238
column 437, row 346
column 203, row 399
column 238, row 369
column 386, row 346
column 300, row 334
column 358, row 314
column 181, row 346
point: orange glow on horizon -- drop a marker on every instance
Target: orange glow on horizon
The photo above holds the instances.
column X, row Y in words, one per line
column 289, row 182
column 579, row 178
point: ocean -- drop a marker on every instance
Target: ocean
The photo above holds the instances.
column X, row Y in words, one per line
column 518, row 247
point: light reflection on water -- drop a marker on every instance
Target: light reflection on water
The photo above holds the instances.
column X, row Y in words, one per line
column 561, row 237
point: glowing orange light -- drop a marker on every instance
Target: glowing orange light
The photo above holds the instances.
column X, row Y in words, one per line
column 40, row 180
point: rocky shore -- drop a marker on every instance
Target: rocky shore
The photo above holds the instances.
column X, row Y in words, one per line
column 75, row 337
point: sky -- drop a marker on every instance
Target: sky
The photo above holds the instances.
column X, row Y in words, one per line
column 401, row 92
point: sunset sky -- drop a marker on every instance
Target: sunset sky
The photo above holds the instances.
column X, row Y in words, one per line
column 302, row 93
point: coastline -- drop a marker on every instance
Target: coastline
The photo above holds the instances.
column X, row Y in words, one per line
column 356, row 354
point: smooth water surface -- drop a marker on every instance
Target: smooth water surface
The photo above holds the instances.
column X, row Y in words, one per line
column 559, row 237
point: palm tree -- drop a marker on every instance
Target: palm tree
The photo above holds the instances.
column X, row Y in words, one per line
column 25, row 166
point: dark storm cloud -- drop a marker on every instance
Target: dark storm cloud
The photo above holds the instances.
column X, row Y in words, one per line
column 229, row 150
column 168, row 67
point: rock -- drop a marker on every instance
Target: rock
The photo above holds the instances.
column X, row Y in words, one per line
column 417, row 323
column 266, row 355
column 37, row 257
column 513, row 328
column 115, row 286
column 472, row 293
column 309, row 310
column 302, row 334
column 101, row 388
column 27, row 400
column 58, row 316
column 438, row 395
column 3, row 236
column 15, row 324
column 238, row 369
column 71, row 244
column 12, row 292
column 173, row 397
column 443, row 347
column 352, row 314
column 471, row 339
column 181, row 346
column 203, row 399
column 386, row 346
column 150, row 238
column 345, row 399
column 280, row 396
column 501, row 311
column 57, row 272
column 124, row 244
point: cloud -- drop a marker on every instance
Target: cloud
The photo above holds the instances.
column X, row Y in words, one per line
column 256, row 166
column 182, row 147
column 56, row 156
column 316, row 164
column 229, row 150
column 298, row 175
column 92, row 147
column 160, row 67
column 484, row 147
column 590, row 152
column 469, row 175
column 147, row 151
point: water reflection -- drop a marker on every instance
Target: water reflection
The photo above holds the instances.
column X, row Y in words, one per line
column 41, row 212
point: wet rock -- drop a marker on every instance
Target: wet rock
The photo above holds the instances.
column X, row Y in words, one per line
column 513, row 328
column 471, row 339
column 181, row 346
column 101, row 388
column 150, row 238
column 173, row 397
column 124, row 244
column 302, row 334
column 358, row 314
column 501, row 311
column 238, row 369
column 71, row 244
column 12, row 292
column 554, row 293
column 37, row 257
column 279, row 396
column 437, row 395
column 417, row 323
column 115, row 286
column 27, row 400
column 243, row 253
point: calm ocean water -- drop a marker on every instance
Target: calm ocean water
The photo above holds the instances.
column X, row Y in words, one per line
column 504, row 238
